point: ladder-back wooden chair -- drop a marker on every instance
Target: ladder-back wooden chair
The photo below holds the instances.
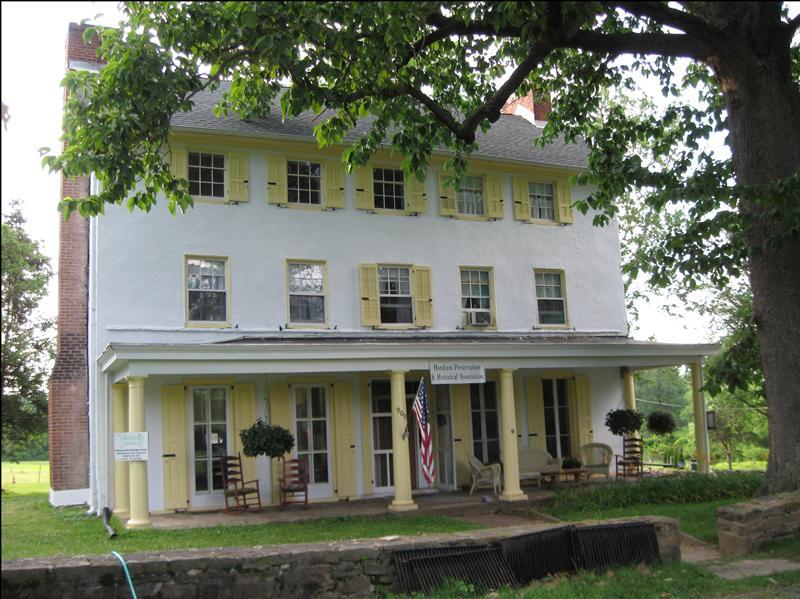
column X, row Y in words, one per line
column 294, row 484
column 240, row 495
column 631, row 463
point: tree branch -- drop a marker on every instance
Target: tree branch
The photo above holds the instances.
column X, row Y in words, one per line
column 665, row 44
column 794, row 24
column 661, row 13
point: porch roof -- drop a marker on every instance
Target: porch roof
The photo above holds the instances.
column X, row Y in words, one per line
column 298, row 352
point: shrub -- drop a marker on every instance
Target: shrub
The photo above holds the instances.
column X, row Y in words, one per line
column 266, row 439
column 680, row 488
column 661, row 423
column 623, row 422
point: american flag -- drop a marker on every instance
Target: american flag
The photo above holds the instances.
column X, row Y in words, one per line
column 424, row 424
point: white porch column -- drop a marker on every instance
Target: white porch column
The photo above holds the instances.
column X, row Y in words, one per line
column 699, row 405
column 140, row 512
column 508, row 423
column 402, row 468
column 629, row 392
column 119, row 408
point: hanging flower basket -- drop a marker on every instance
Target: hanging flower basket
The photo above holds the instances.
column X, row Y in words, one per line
column 661, row 423
column 266, row 439
column 624, row 422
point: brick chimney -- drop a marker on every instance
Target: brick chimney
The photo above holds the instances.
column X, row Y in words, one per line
column 68, row 410
column 527, row 108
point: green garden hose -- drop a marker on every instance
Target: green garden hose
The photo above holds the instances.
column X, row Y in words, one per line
column 127, row 574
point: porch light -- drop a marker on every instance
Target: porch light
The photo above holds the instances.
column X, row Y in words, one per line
column 711, row 420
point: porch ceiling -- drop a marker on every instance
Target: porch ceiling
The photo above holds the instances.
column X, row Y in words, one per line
column 352, row 352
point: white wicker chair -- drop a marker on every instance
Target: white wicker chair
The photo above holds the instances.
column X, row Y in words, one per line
column 483, row 474
column 596, row 458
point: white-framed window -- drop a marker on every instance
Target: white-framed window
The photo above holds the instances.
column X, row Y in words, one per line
column 381, row 409
column 469, row 197
column 485, row 417
column 476, row 296
column 542, row 201
column 556, row 417
column 206, row 175
column 394, row 290
column 306, row 283
column 389, row 188
column 304, row 182
column 206, row 290
column 550, row 298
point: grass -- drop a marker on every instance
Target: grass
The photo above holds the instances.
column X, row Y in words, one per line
column 31, row 527
column 696, row 519
column 664, row 582
column 722, row 466
column 23, row 478
column 788, row 548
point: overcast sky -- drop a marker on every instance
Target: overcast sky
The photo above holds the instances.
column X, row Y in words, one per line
column 33, row 40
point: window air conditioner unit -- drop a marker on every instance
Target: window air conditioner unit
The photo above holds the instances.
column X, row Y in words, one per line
column 479, row 319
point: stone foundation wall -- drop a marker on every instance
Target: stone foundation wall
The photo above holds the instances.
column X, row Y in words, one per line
column 340, row 569
column 744, row 526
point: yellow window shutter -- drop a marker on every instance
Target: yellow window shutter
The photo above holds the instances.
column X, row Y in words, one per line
column 584, row 402
column 535, row 405
column 416, row 195
column 280, row 414
column 345, row 442
column 333, row 184
column 365, row 191
column 238, row 178
column 175, row 445
column 564, row 197
column 178, row 163
column 447, row 197
column 494, row 196
column 423, row 299
column 522, row 199
column 366, row 433
column 244, row 416
column 370, row 304
column 276, row 180
column 462, row 431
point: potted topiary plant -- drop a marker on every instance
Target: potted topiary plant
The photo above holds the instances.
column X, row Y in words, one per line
column 624, row 422
column 661, row 423
column 570, row 463
column 266, row 439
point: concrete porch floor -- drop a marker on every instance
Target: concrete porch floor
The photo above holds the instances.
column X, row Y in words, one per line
column 451, row 503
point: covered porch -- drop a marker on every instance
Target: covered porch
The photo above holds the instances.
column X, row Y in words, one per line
column 367, row 456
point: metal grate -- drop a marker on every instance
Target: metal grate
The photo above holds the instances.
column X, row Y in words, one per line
column 424, row 570
column 598, row 547
column 540, row 554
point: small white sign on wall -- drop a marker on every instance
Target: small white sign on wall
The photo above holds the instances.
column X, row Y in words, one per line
column 130, row 447
column 457, row 373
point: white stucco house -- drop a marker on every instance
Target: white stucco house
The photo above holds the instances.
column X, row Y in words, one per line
column 317, row 300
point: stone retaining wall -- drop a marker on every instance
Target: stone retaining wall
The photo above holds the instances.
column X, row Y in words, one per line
column 744, row 526
column 340, row 569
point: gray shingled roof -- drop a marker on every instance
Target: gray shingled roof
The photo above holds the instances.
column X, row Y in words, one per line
column 510, row 138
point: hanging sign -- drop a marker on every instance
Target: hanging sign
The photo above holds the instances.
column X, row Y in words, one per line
column 130, row 447
column 457, row 373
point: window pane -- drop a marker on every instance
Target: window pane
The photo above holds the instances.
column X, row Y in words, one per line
column 320, row 439
column 218, row 409
column 492, row 427
column 201, row 476
column 547, row 392
column 318, row 403
column 382, row 432
column 200, row 441
column 302, row 435
column 490, row 396
column 493, row 450
column 207, row 306
column 307, row 308
column 474, row 397
column 301, row 402
column 382, row 471
column 320, row 467
column 199, row 405
column 304, row 182
column 477, row 431
column 218, row 439
column 396, row 310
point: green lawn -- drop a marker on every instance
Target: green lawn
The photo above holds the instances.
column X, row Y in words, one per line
column 753, row 465
column 662, row 582
column 696, row 519
column 26, row 477
column 31, row 527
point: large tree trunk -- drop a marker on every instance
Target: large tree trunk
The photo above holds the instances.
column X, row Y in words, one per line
column 763, row 105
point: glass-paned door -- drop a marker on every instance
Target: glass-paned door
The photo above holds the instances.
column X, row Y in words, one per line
column 381, row 409
column 312, row 434
column 556, row 417
column 485, row 422
column 209, row 441
column 443, row 439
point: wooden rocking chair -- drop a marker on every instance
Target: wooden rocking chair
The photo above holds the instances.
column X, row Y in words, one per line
column 294, row 484
column 631, row 463
column 240, row 495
